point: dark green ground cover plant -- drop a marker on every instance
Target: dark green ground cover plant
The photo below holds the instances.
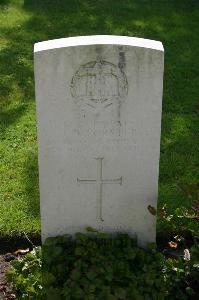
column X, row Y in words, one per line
column 98, row 266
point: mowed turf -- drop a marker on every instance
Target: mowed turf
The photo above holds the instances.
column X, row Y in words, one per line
column 22, row 23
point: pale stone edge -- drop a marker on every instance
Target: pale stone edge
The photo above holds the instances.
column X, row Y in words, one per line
column 98, row 40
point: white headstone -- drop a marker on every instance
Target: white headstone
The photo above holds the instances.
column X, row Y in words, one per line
column 99, row 102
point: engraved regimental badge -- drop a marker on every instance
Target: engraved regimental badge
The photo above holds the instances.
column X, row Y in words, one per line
column 98, row 85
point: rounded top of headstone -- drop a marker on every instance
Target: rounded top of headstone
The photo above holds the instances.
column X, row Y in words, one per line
column 98, row 40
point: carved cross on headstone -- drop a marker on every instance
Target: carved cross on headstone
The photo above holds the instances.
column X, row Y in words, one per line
column 99, row 181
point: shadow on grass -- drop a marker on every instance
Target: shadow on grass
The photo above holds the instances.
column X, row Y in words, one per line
column 16, row 67
column 4, row 2
column 10, row 116
column 31, row 185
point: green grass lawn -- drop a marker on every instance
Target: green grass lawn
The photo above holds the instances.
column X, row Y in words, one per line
column 22, row 23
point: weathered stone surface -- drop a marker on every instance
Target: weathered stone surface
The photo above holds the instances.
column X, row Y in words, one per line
column 99, row 104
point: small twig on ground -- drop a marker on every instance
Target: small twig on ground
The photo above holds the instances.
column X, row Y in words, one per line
column 29, row 240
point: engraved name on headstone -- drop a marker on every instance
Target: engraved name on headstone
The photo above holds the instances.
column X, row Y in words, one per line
column 99, row 102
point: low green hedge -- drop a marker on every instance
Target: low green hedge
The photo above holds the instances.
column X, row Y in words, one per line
column 98, row 266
